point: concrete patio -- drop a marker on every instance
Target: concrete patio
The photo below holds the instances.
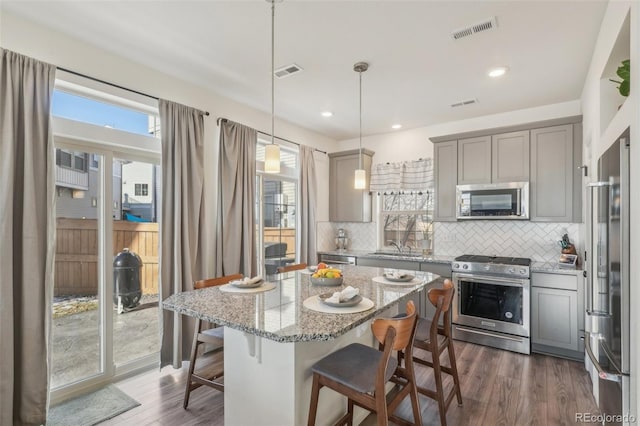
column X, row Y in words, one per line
column 75, row 339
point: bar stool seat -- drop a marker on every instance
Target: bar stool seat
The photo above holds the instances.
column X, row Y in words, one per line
column 361, row 373
column 354, row 366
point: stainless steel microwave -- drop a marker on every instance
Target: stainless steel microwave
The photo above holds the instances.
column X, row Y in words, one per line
column 493, row 201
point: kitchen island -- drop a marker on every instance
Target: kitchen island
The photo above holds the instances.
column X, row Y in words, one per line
column 272, row 340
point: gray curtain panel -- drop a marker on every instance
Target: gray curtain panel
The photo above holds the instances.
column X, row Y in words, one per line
column 307, row 210
column 27, row 235
column 182, row 137
column 235, row 221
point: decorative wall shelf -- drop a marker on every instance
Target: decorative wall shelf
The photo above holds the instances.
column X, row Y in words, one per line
column 611, row 102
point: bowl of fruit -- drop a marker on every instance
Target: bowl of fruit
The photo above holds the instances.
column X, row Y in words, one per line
column 326, row 276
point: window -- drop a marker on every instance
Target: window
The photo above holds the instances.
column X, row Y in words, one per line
column 86, row 110
column 142, row 189
column 63, row 158
column 79, row 162
column 276, row 205
column 406, row 219
column 72, row 160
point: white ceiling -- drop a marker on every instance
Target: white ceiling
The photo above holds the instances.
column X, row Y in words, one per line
column 416, row 69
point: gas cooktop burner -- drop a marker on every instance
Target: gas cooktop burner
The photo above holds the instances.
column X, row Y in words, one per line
column 518, row 261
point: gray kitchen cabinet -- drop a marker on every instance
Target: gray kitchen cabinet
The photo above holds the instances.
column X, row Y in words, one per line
column 442, row 269
column 494, row 158
column 557, row 315
column 555, row 184
column 474, row 160
column 347, row 204
column 389, row 263
column 510, row 157
column 445, row 179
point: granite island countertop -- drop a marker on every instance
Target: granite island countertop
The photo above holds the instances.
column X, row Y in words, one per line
column 279, row 314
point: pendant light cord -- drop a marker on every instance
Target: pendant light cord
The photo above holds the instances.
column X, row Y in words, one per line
column 360, row 156
column 273, row 19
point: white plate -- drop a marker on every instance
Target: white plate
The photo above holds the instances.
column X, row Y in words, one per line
column 351, row 302
column 240, row 284
column 404, row 279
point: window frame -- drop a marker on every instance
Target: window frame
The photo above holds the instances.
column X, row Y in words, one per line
column 426, row 233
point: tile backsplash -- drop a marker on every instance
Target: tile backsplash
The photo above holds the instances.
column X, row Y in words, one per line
column 538, row 241
column 362, row 236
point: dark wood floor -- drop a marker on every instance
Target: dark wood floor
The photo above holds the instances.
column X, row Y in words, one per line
column 498, row 388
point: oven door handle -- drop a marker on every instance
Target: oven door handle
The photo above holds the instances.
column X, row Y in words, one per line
column 514, row 282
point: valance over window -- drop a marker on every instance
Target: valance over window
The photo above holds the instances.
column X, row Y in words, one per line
column 405, row 176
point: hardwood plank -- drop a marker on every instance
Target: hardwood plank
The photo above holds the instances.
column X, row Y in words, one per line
column 549, row 392
column 561, row 406
column 503, row 402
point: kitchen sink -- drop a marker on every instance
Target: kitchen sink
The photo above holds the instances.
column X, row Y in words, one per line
column 396, row 254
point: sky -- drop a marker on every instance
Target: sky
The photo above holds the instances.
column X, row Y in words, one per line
column 90, row 111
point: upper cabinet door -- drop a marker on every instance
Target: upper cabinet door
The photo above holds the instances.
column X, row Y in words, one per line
column 510, row 157
column 552, row 174
column 474, row 160
column 445, row 155
column 347, row 204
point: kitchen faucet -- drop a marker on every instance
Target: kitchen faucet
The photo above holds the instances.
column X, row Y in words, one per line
column 396, row 245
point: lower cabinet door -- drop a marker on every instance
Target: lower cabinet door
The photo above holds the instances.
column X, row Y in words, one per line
column 554, row 317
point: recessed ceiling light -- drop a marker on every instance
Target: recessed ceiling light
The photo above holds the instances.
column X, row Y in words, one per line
column 396, row 126
column 327, row 114
column 498, row 71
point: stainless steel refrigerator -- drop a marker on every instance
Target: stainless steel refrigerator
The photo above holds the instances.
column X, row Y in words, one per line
column 607, row 344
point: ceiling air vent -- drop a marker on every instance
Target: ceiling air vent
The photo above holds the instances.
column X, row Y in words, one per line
column 465, row 102
column 287, row 70
column 488, row 24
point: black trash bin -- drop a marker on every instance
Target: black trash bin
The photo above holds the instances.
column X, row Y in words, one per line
column 126, row 279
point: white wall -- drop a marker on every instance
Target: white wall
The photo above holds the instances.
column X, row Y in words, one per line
column 411, row 144
column 47, row 45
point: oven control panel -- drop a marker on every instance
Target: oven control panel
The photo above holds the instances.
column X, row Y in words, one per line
column 491, row 268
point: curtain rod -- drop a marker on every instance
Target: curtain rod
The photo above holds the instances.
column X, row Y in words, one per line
column 224, row 120
column 114, row 85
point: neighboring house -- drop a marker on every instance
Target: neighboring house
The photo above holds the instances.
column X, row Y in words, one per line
column 136, row 187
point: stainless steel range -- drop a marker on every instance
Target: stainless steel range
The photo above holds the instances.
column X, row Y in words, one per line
column 491, row 305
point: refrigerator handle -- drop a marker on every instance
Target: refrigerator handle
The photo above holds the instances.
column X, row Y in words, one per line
column 602, row 373
column 593, row 270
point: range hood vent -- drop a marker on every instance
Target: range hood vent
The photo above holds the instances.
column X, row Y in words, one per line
column 287, row 70
column 465, row 102
column 488, row 24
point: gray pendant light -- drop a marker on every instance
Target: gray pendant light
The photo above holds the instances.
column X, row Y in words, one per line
column 360, row 181
column 272, row 151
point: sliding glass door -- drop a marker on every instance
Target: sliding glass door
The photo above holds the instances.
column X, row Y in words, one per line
column 105, row 309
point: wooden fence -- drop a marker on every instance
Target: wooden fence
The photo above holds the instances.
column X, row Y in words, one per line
column 77, row 254
column 282, row 235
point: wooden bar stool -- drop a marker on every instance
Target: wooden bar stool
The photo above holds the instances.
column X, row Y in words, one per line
column 360, row 372
column 435, row 339
column 292, row 267
column 213, row 336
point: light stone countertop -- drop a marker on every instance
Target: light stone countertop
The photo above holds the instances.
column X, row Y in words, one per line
column 278, row 314
column 554, row 268
column 368, row 254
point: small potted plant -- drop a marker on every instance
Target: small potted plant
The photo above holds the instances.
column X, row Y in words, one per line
column 624, row 72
